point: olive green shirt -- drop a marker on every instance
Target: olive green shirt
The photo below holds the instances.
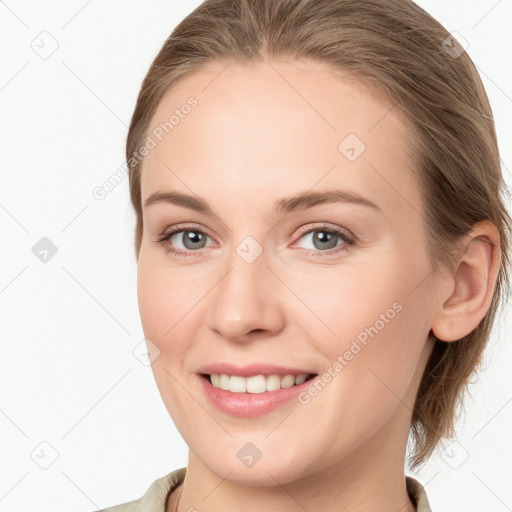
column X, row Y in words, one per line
column 155, row 498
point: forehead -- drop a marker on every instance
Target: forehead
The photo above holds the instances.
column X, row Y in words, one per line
column 275, row 127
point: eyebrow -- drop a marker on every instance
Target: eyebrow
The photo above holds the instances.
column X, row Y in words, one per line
column 285, row 205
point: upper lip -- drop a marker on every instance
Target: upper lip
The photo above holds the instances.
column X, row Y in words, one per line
column 250, row 370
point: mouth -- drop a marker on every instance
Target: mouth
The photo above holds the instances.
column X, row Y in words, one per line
column 254, row 394
column 255, row 389
column 256, row 384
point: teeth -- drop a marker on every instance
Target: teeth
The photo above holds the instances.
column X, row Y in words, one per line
column 215, row 379
column 255, row 384
column 300, row 379
column 224, row 382
column 287, row 381
column 273, row 383
column 237, row 384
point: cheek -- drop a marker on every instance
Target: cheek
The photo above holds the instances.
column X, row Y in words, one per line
column 351, row 302
column 377, row 301
column 164, row 296
column 376, row 331
column 163, row 303
column 153, row 298
column 169, row 300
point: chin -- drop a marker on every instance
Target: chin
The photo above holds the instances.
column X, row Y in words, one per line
column 241, row 462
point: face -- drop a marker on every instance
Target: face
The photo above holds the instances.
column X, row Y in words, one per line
column 334, row 285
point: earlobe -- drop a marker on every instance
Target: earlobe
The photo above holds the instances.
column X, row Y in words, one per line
column 472, row 284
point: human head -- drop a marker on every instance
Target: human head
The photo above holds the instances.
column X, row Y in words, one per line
column 396, row 50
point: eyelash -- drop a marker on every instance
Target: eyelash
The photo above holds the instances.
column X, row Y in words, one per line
column 347, row 238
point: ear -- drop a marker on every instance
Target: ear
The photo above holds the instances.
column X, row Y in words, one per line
column 470, row 286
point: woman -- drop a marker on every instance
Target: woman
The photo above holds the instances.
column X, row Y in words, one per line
column 322, row 248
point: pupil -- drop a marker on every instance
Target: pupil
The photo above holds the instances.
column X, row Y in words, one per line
column 192, row 237
column 325, row 237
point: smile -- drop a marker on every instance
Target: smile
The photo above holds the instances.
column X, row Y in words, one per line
column 254, row 390
column 257, row 383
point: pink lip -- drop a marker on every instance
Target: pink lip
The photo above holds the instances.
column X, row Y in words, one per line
column 250, row 404
column 250, row 370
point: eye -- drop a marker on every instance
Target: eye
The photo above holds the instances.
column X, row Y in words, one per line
column 191, row 240
column 324, row 240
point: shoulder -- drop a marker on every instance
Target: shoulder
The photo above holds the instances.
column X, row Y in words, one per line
column 155, row 498
column 417, row 494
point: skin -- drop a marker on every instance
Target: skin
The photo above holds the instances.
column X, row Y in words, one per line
column 258, row 135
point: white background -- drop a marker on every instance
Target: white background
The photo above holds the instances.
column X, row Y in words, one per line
column 69, row 377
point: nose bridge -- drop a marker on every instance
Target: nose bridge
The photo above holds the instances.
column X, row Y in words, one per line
column 243, row 300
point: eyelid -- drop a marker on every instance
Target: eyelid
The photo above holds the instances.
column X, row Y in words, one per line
column 302, row 230
column 343, row 233
column 328, row 227
column 185, row 227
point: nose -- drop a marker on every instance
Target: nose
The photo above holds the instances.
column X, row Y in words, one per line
column 246, row 304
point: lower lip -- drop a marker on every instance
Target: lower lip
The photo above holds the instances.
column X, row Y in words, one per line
column 250, row 404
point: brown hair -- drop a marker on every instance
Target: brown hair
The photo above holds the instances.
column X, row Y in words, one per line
column 398, row 50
